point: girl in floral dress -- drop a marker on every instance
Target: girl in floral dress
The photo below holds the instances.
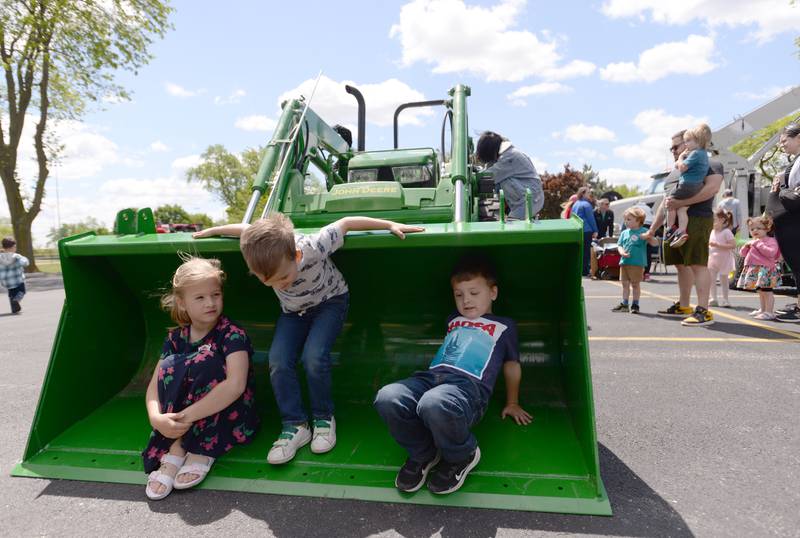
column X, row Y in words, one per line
column 200, row 398
column 761, row 271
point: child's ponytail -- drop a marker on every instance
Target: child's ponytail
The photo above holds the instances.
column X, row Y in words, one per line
column 725, row 216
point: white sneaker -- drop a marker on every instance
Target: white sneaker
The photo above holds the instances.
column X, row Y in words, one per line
column 324, row 436
column 755, row 312
column 289, row 441
column 713, row 302
column 725, row 304
column 766, row 316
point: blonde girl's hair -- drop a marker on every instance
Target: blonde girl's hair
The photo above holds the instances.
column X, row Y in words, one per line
column 701, row 134
column 725, row 216
column 764, row 220
column 637, row 213
column 190, row 272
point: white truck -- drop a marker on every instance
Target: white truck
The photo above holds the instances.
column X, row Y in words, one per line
column 741, row 174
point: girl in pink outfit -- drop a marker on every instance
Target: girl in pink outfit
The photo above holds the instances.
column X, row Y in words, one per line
column 721, row 244
column 760, row 271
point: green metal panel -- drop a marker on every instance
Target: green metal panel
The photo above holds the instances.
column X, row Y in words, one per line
column 375, row 159
column 91, row 422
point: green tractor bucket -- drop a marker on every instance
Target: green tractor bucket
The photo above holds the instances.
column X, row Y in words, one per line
column 91, row 422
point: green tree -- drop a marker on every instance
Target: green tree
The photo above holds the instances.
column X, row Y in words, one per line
column 592, row 178
column 773, row 160
column 628, row 191
column 558, row 188
column 229, row 177
column 5, row 227
column 90, row 224
column 57, row 57
column 175, row 214
column 171, row 213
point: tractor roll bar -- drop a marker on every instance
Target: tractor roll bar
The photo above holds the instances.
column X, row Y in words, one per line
column 417, row 104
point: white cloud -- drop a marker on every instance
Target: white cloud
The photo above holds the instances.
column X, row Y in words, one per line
column 690, row 57
column 159, row 147
column 574, row 69
column 517, row 97
column 582, row 155
column 234, row 98
column 86, row 151
column 764, row 95
column 255, row 123
column 769, row 17
column 658, row 128
column 335, row 105
column 623, row 176
column 176, row 90
column 458, row 38
column 586, row 133
column 181, row 164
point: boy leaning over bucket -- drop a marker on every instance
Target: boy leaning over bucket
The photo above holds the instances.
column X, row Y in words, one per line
column 632, row 247
column 430, row 413
column 12, row 273
column 314, row 299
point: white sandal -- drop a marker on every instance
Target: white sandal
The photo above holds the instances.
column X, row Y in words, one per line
column 200, row 469
column 162, row 478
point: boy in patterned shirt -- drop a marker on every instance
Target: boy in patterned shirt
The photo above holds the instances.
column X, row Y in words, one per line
column 430, row 413
column 314, row 300
column 12, row 273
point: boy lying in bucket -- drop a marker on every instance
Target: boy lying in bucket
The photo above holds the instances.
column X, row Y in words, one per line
column 430, row 413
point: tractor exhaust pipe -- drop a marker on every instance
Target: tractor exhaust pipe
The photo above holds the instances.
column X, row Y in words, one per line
column 362, row 114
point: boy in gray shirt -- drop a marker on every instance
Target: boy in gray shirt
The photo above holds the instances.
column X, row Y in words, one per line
column 314, row 299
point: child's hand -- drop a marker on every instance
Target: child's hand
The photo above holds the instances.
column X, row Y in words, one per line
column 400, row 230
column 713, row 244
column 624, row 253
column 208, row 232
column 169, row 425
column 519, row 415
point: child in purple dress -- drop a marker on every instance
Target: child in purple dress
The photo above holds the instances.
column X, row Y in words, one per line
column 200, row 398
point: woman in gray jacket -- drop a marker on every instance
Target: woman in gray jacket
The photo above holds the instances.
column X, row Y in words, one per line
column 513, row 172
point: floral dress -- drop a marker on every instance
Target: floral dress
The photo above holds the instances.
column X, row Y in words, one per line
column 187, row 372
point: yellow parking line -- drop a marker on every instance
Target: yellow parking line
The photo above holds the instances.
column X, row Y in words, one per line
column 721, row 314
column 688, row 339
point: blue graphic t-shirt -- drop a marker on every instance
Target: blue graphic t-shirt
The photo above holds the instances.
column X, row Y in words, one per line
column 478, row 347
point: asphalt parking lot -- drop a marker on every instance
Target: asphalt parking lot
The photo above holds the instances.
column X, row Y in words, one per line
column 698, row 434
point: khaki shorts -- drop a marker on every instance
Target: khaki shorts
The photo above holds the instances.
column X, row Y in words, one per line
column 695, row 250
column 631, row 273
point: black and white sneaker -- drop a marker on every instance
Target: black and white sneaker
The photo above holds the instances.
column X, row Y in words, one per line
column 412, row 474
column 634, row 308
column 449, row 477
column 621, row 307
column 789, row 316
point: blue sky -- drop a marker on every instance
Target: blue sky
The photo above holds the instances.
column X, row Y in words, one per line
column 602, row 82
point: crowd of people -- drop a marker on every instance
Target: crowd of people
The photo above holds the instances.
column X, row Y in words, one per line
column 700, row 239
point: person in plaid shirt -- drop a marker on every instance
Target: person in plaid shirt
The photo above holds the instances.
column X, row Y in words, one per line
column 12, row 273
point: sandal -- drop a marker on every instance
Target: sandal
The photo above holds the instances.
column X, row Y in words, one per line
column 163, row 478
column 200, row 469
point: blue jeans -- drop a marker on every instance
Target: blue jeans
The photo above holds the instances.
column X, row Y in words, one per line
column 314, row 332
column 16, row 294
column 433, row 410
column 587, row 251
column 514, row 191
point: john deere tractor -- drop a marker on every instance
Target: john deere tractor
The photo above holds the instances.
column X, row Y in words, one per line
column 91, row 423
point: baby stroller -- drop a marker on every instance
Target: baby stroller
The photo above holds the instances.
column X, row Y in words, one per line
column 608, row 258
